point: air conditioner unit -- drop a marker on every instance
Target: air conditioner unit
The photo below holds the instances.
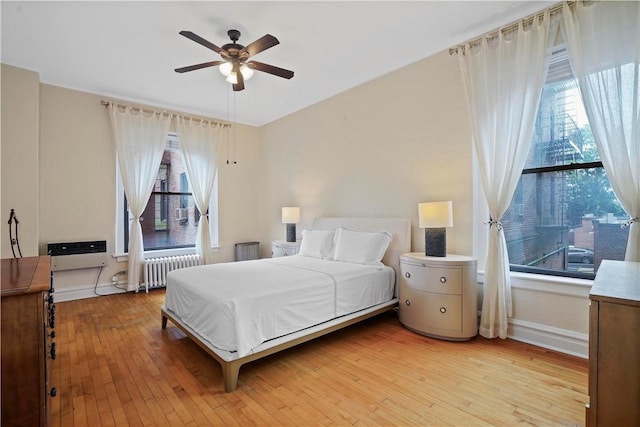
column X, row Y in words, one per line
column 182, row 214
column 77, row 255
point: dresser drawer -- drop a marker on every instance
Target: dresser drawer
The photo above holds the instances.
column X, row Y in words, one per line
column 442, row 280
column 442, row 313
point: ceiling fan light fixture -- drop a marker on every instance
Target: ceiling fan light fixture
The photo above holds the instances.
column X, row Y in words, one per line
column 225, row 68
column 232, row 78
column 246, row 71
column 234, row 57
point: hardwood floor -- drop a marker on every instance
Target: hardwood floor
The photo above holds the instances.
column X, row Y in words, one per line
column 116, row 367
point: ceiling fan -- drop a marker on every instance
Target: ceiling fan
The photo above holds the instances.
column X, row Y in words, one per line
column 235, row 65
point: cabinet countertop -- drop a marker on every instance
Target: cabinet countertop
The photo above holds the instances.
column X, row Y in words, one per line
column 29, row 274
column 618, row 282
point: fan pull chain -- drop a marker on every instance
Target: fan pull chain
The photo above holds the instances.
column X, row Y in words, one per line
column 235, row 130
column 231, row 143
column 228, row 121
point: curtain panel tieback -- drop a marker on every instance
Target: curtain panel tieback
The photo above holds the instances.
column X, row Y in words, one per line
column 495, row 223
column 631, row 221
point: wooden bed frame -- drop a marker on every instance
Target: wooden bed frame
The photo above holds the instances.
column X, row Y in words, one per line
column 231, row 363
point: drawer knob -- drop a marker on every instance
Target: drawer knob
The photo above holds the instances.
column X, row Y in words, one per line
column 54, row 392
column 407, row 275
column 407, row 302
column 443, row 310
column 443, row 280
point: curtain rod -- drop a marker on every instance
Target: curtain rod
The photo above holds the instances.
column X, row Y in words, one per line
column 525, row 21
column 166, row 113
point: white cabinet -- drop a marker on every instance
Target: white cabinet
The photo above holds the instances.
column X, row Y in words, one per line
column 439, row 296
column 281, row 248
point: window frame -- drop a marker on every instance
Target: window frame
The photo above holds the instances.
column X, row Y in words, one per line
column 558, row 56
column 122, row 212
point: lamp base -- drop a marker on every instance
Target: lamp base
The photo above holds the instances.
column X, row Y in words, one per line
column 291, row 232
column 435, row 242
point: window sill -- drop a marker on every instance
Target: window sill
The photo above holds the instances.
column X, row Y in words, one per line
column 548, row 284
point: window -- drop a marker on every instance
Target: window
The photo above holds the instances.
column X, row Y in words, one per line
column 170, row 219
column 564, row 218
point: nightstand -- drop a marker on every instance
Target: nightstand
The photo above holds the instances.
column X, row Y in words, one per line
column 281, row 248
column 439, row 296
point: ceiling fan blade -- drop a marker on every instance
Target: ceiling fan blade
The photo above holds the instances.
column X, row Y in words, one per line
column 240, row 85
column 196, row 38
column 271, row 69
column 198, row 66
column 263, row 43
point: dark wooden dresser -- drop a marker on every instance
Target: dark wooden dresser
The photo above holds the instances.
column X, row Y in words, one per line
column 28, row 320
column 614, row 346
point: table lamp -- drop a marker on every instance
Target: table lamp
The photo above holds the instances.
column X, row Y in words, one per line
column 434, row 217
column 291, row 216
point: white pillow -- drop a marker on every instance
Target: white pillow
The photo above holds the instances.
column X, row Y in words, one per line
column 317, row 243
column 361, row 247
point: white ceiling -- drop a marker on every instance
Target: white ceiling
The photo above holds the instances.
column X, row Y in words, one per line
column 128, row 50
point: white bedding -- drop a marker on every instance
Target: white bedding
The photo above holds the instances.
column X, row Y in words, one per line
column 237, row 306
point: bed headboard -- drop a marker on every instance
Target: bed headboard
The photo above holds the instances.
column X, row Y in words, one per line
column 400, row 229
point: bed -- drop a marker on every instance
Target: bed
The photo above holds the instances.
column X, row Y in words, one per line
column 240, row 312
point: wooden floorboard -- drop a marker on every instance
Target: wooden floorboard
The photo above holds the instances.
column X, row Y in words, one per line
column 117, row 367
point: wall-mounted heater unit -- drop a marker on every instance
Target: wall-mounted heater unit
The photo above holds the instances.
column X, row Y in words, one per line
column 76, row 255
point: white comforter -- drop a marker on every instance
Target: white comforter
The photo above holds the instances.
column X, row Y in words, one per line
column 238, row 306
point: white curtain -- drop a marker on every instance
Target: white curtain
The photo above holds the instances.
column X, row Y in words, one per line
column 200, row 142
column 503, row 80
column 140, row 138
column 604, row 44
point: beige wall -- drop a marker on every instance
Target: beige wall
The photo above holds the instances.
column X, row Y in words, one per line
column 382, row 148
column 19, row 153
column 58, row 172
column 376, row 150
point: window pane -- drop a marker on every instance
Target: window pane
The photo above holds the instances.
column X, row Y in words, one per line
column 562, row 134
column 169, row 220
column 563, row 221
column 166, row 224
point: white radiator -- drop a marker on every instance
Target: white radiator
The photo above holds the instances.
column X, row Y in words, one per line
column 156, row 269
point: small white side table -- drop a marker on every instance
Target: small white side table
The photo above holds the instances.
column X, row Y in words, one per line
column 282, row 248
column 439, row 295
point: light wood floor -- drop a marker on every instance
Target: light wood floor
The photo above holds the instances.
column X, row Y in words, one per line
column 116, row 367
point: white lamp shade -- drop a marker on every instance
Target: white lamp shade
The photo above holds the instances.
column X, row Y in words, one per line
column 225, row 68
column 435, row 214
column 290, row 215
column 247, row 72
column 232, row 78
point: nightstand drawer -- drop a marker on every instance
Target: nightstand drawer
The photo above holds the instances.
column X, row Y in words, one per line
column 438, row 295
column 443, row 280
column 443, row 313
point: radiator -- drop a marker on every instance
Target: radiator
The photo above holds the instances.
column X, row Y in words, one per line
column 156, row 269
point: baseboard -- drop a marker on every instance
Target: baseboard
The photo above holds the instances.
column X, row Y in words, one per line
column 562, row 340
column 84, row 291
